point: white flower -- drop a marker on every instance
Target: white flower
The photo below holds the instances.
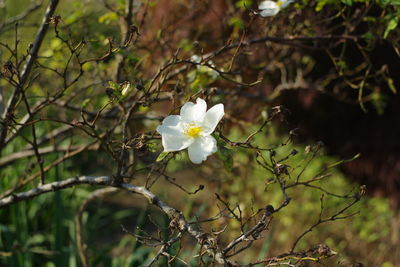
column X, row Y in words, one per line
column 205, row 69
column 270, row 8
column 192, row 129
column 195, row 59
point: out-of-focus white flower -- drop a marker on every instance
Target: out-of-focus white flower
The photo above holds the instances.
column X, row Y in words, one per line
column 270, row 8
column 192, row 129
column 205, row 69
column 195, row 59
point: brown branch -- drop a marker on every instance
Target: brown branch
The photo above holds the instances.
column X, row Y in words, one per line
column 16, row 129
column 320, row 221
column 21, row 16
column 52, row 187
column 289, row 40
column 33, row 53
column 314, row 254
column 68, row 155
column 34, row 144
column 10, row 159
column 254, row 232
column 177, row 218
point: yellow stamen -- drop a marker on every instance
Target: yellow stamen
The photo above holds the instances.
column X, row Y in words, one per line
column 193, row 131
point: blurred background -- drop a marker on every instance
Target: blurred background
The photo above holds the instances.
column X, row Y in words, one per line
column 332, row 66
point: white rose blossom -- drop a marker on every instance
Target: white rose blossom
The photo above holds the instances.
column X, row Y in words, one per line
column 270, row 8
column 192, row 129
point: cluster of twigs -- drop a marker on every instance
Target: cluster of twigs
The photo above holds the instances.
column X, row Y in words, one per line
column 108, row 130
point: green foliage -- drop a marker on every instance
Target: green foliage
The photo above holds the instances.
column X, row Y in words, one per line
column 243, row 3
column 201, row 77
column 236, row 22
column 120, row 91
column 161, row 156
column 108, row 18
column 226, row 156
column 391, row 25
column 370, row 226
column 42, row 232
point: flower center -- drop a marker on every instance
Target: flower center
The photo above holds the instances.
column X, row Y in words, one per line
column 193, row 130
column 280, row 3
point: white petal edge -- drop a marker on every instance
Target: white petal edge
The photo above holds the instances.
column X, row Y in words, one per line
column 201, row 148
column 285, row 3
column 175, row 143
column 171, row 125
column 267, row 4
column 212, row 118
column 269, row 12
column 268, row 8
column 191, row 112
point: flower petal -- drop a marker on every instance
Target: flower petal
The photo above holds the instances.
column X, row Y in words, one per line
column 268, row 8
column 195, row 59
column 285, row 3
column 191, row 112
column 175, row 143
column 171, row 125
column 171, row 131
column 201, row 148
column 212, row 118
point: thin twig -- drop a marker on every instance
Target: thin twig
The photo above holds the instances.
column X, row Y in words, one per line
column 78, row 222
column 33, row 53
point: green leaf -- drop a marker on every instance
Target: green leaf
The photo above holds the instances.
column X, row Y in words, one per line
column 321, row 5
column 114, row 85
column 108, row 18
column 126, row 89
column 225, row 155
column 391, row 26
column 347, row 2
column 120, row 91
column 236, row 22
column 161, row 156
column 243, row 3
column 85, row 103
column 117, row 94
column 391, row 85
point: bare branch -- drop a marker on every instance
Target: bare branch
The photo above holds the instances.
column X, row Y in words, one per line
column 177, row 219
column 10, row 159
column 33, row 53
column 21, row 16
